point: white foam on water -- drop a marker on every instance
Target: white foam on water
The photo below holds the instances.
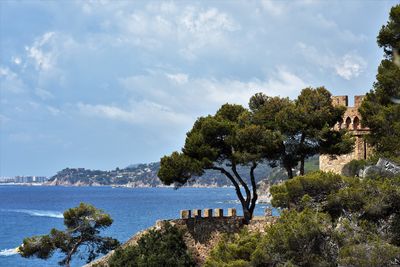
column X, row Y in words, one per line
column 8, row 252
column 39, row 213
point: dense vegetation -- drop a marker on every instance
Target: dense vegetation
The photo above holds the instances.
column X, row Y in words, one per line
column 83, row 225
column 328, row 220
column 381, row 108
column 334, row 220
column 165, row 247
column 274, row 130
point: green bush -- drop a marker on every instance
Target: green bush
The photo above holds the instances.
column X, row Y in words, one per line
column 164, row 247
column 234, row 250
column 317, row 186
column 352, row 168
column 370, row 254
column 297, row 239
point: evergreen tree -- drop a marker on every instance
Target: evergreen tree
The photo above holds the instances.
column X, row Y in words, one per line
column 380, row 109
column 306, row 125
column 222, row 142
column 83, row 225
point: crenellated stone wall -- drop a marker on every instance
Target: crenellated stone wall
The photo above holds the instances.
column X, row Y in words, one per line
column 352, row 122
column 201, row 233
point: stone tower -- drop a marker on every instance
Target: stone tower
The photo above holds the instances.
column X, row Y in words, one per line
column 352, row 122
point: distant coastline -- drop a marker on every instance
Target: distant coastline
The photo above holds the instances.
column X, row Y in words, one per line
column 113, row 186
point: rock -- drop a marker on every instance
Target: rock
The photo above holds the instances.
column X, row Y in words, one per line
column 383, row 168
column 264, row 196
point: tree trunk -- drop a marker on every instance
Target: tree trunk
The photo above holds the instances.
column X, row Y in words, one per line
column 289, row 172
column 247, row 215
column 254, row 187
column 302, row 158
column 302, row 165
column 243, row 183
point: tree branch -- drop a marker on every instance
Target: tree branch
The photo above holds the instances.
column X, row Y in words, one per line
column 246, row 188
column 254, row 187
column 237, row 187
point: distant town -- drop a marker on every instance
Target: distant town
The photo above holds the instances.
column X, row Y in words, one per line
column 24, row 180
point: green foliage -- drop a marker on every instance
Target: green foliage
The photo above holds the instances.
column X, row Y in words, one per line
column 370, row 254
column 83, row 225
column 223, row 142
column 379, row 110
column 164, row 247
column 389, row 35
column 352, row 168
column 234, row 250
column 317, row 186
column 369, row 199
column 297, row 239
column 306, row 125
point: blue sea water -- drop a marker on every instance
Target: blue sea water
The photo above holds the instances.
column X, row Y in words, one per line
column 33, row 210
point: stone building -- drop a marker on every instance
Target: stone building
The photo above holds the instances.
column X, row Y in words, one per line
column 352, row 122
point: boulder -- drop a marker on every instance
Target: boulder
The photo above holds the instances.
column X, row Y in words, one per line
column 383, row 168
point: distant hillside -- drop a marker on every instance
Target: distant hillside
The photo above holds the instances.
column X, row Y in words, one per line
column 142, row 175
column 145, row 175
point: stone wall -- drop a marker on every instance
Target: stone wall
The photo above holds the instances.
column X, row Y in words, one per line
column 352, row 122
column 201, row 233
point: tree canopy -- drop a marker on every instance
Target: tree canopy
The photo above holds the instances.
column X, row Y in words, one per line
column 83, row 224
column 274, row 130
column 380, row 109
column 222, row 142
column 306, row 125
column 163, row 247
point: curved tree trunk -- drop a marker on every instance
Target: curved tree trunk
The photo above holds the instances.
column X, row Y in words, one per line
column 289, row 171
column 302, row 165
column 302, row 158
column 248, row 203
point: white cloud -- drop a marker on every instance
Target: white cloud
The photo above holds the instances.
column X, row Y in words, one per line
column 43, row 94
column 275, row 8
column 190, row 28
column 4, row 119
column 16, row 60
column 348, row 66
column 197, row 96
column 10, row 82
column 53, row 111
column 333, row 27
column 179, row 78
column 43, row 60
column 144, row 112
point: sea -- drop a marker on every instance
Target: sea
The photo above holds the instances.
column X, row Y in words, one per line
column 34, row 210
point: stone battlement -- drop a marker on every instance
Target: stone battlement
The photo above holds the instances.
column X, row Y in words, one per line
column 218, row 213
column 201, row 233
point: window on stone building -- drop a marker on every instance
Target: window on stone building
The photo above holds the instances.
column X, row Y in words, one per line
column 348, row 122
column 356, row 123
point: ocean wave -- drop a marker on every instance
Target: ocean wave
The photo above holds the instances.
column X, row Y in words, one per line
column 8, row 252
column 228, row 202
column 39, row 213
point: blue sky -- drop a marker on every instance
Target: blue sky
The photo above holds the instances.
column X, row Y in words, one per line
column 103, row 84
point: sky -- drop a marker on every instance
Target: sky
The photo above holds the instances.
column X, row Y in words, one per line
column 104, row 84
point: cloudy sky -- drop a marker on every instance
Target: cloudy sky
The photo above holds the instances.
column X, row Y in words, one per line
column 103, row 84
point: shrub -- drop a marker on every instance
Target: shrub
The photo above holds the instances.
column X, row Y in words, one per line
column 234, row 250
column 317, row 185
column 298, row 239
column 165, row 247
column 353, row 168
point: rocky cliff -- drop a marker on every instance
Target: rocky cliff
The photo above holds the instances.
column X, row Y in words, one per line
column 201, row 234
